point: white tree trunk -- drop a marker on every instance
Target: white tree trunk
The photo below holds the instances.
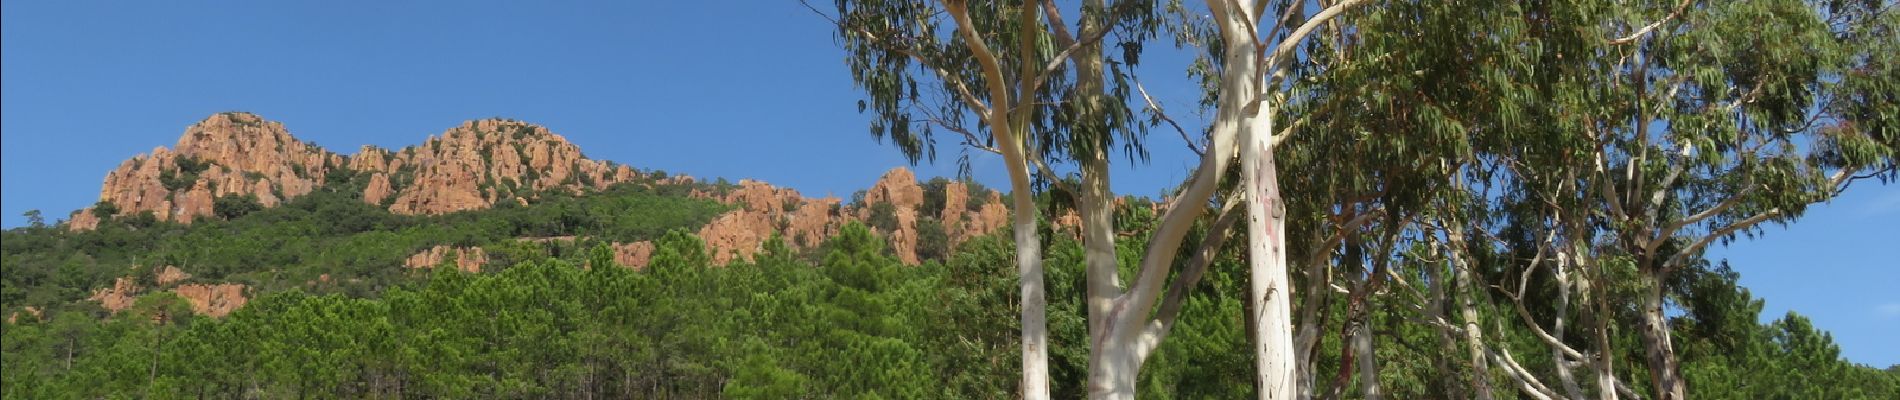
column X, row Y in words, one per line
column 1113, row 363
column 1113, row 367
column 1564, row 374
column 1663, row 367
column 1368, row 362
column 1035, row 318
column 1466, row 297
column 1269, row 291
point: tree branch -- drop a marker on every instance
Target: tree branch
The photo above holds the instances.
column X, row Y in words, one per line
column 1710, row 238
column 1055, row 22
column 1272, row 64
column 1163, row 115
column 1652, row 26
column 966, row 95
column 1527, row 383
column 1667, row 232
column 1190, row 276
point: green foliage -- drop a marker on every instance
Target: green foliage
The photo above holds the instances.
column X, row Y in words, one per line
column 933, row 243
column 232, row 206
column 104, row 209
column 34, row 218
column 184, row 175
column 883, row 217
column 329, row 231
column 853, row 324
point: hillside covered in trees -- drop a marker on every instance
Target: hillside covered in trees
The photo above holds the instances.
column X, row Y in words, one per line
column 335, row 306
column 845, row 319
column 1388, row 199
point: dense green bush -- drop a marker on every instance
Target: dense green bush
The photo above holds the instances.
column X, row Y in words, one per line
column 553, row 319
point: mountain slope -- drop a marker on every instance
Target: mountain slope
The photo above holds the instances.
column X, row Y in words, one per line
column 240, row 201
column 468, row 167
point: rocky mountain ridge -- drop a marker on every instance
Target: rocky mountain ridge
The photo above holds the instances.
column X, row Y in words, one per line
column 468, row 167
column 479, row 164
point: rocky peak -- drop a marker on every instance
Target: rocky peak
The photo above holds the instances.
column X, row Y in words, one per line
column 213, row 300
column 467, row 259
column 763, row 210
column 470, row 166
column 225, row 154
column 898, row 187
column 474, row 165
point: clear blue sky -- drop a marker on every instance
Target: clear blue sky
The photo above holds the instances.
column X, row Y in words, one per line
column 732, row 89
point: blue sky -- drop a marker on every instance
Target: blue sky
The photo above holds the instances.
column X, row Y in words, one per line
column 705, row 88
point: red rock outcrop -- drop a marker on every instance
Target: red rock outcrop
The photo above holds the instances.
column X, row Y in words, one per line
column 633, row 255
column 1069, row 222
column 480, row 162
column 377, row 190
column 814, row 221
column 763, row 210
column 168, row 275
column 468, row 167
column 899, row 188
column 960, row 223
column 83, row 220
column 119, row 297
column 30, row 310
column 215, row 301
column 956, row 201
column 227, row 153
column 903, row 240
column 467, row 259
column 736, row 235
column 992, row 216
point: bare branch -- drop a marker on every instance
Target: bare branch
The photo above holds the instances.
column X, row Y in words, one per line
column 1710, row 238
column 1055, row 63
column 1610, row 194
column 1177, row 291
column 1287, row 132
column 1272, row 64
column 970, row 138
column 1054, row 178
column 1055, row 21
column 1652, row 26
column 1156, row 106
column 1667, row 232
column 992, row 72
column 1527, row 383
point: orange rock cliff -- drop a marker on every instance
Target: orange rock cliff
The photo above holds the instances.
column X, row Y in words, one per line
column 480, row 163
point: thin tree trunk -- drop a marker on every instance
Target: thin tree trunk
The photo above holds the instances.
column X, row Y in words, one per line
column 1440, row 313
column 153, row 379
column 1663, row 368
column 1311, row 320
column 1114, row 362
column 1564, row 374
column 1010, row 131
column 1474, row 335
column 1368, row 365
column 1035, row 320
column 1605, row 362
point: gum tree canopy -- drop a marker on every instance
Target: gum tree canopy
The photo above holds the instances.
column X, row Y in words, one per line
column 1447, row 142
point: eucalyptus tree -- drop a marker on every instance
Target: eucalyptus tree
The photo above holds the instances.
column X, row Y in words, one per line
column 895, row 45
column 1671, row 127
column 1722, row 117
column 927, row 66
